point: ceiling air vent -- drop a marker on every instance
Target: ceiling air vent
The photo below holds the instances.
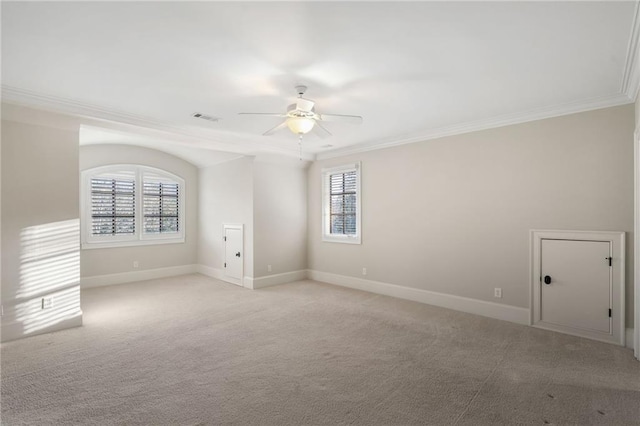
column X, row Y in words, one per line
column 205, row 117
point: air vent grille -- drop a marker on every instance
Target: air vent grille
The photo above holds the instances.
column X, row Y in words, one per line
column 205, row 117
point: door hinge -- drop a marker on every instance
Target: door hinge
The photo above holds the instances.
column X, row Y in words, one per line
column 609, row 313
column 610, row 260
column 225, row 238
column 225, row 264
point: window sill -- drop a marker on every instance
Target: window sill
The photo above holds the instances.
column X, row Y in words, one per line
column 122, row 244
column 341, row 239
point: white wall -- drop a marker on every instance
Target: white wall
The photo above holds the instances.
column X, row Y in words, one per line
column 108, row 261
column 453, row 215
column 280, row 218
column 40, row 229
column 225, row 196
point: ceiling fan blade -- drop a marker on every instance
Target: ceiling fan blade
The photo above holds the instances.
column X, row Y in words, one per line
column 321, row 131
column 355, row 119
column 275, row 129
column 267, row 114
column 304, row 104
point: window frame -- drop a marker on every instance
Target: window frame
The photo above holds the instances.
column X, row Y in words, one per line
column 327, row 236
column 138, row 238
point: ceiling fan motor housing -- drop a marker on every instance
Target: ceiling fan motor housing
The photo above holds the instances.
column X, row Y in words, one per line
column 293, row 111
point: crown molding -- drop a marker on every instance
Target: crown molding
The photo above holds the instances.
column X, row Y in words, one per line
column 628, row 94
column 490, row 123
column 94, row 115
column 631, row 76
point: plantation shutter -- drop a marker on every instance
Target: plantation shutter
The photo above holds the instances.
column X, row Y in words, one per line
column 160, row 206
column 113, row 206
column 343, row 202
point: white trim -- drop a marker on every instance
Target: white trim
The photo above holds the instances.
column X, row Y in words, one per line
column 216, row 273
column 95, row 115
column 636, row 242
column 464, row 304
column 127, row 277
column 239, row 226
column 490, row 123
column 631, row 77
column 89, row 241
column 15, row 329
column 327, row 236
column 247, row 282
column 275, row 279
column 129, row 243
column 119, row 120
column 233, row 281
column 629, row 340
column 617, row 277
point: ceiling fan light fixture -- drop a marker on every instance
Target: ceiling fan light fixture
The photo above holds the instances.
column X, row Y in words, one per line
column 300, row 125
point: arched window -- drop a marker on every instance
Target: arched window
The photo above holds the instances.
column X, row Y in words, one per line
column 131, row 205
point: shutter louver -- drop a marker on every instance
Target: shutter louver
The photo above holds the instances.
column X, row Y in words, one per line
column 112, row 206
column 343, row 202
column 160, row 207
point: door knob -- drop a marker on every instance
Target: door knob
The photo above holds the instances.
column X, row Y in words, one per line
column 547, row 279
column 238, row 254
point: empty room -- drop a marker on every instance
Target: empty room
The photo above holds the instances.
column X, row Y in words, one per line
column 309, row 212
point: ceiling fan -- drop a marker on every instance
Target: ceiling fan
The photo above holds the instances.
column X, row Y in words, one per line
column 301, row 117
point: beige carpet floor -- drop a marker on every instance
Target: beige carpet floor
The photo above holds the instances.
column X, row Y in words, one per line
column 192, row 351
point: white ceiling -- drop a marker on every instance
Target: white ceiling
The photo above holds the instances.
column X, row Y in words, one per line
column 413, row 70
column 198, row 156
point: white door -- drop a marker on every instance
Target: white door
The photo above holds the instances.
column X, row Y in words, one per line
column 233, row 254
column 576, row 284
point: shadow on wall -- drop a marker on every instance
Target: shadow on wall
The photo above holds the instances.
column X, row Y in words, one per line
column 49, row 290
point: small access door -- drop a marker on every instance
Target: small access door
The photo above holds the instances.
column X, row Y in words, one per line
column 579, row 288
column 576, row 284
column 233, row 254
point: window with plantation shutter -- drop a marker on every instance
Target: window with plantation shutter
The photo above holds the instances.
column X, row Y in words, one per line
column 113, row 206
column 131, row 205
column 341, row 204
column 161, row 207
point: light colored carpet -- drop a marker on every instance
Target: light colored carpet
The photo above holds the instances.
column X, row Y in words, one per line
column 191, row 350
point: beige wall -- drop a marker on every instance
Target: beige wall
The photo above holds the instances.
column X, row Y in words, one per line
column 280, row 218
column 453, row 215
column 40, row 229
column 97, row 262
column 225, row 196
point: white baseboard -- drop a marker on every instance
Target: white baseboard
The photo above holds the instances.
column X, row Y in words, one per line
column 127, row 277
column 628, row 342
column 255, row 283
column 12, row 331
column 275, row 279
column 458, row 303
column 15, row 330
column 218, row 274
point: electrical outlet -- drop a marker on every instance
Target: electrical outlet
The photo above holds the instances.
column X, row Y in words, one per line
column 497, row 292
column 364, row 271
column 268, row 268
column 47, row 302
column 136, row 263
